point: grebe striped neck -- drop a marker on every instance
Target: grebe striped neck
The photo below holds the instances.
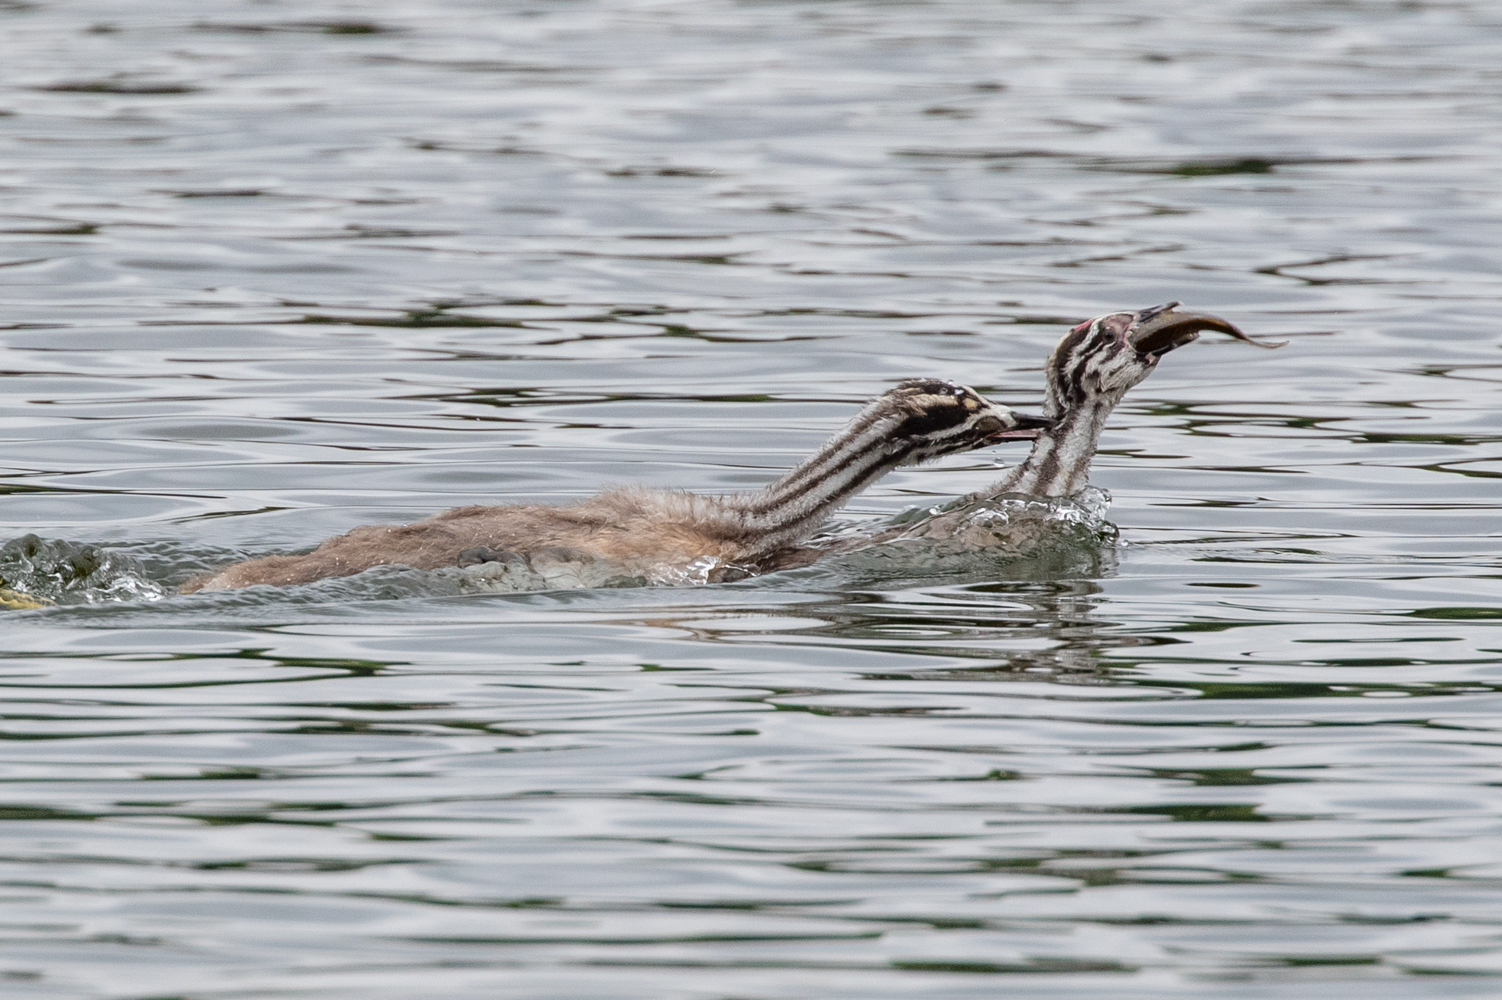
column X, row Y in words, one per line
column 919, row 420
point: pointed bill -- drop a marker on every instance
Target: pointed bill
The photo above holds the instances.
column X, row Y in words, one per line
column 1028, row 426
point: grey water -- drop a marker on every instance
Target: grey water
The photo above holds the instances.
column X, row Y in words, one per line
column 270, row 270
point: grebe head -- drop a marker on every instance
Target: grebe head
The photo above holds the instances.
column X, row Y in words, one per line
column 912, row 422
column 931, row 417
column 1088, row 374
column 1099, row 360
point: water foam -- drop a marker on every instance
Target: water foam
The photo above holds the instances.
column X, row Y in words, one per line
column 1015, row 535
column 39, row 571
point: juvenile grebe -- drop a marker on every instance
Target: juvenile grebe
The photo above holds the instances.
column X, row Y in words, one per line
column 1088, row 373
column 637, row 529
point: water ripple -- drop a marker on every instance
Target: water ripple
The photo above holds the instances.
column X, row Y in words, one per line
column 270, row 274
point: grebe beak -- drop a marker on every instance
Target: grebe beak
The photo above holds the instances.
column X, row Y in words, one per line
column 1026, row 429
column 1159, row 330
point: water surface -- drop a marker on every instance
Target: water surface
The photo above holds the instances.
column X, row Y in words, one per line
column 273, row 270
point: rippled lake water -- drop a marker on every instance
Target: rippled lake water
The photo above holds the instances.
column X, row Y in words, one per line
column 272, row 270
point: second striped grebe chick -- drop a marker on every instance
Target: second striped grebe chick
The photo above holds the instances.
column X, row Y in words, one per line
column 1088, row 374
column 638, row 529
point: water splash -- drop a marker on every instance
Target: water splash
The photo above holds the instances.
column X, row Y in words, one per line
column 36, row 571
column 1015, row 535
column 697, row 572
column 572, row 570
column 1018, row 536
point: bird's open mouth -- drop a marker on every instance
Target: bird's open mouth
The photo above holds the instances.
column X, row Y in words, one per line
column 1159, row 330
column 1027, row 428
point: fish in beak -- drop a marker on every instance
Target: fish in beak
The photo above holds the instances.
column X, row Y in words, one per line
column 1158, row 330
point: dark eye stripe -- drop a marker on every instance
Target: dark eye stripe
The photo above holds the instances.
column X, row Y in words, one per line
column 931, row 420
column 1067, row 358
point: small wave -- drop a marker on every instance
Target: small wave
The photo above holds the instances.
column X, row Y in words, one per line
column 1015, row 536
column 36, row 572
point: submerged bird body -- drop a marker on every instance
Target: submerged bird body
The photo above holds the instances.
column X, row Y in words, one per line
column 642, row 532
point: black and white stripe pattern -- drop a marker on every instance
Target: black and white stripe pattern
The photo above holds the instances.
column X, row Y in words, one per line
column 919, row 420
column 1088, row 373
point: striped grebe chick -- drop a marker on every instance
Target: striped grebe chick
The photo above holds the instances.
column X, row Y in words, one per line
column 1088, row 373
column 638, row 529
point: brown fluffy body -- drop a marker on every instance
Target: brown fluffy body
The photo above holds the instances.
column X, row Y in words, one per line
column 631, row 527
